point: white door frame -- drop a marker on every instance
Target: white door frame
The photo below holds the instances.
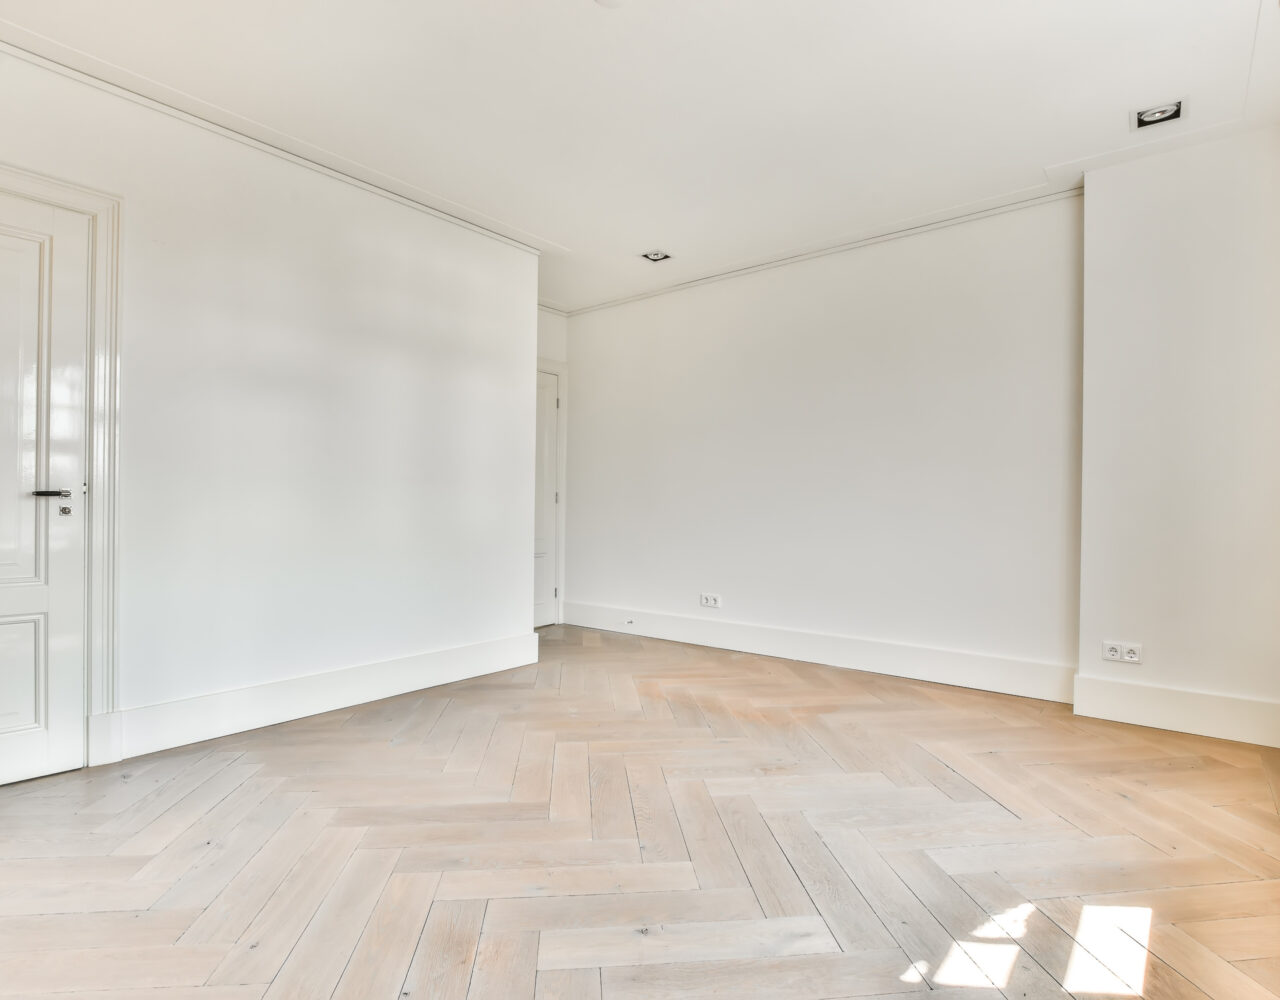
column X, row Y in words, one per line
column 561, row 371
column 102, row 407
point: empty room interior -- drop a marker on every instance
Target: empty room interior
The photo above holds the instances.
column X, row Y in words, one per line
column 640, row 499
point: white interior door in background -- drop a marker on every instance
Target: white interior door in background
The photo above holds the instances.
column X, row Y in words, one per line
column 45, row 290
column 546, row 499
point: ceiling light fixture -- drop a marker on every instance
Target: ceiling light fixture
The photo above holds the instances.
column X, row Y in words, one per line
column 656, row 255
column 1158, row 114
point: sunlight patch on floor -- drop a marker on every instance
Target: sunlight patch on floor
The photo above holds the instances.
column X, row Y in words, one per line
column 1012, row 923
column 1110, row 954
column 977, row 964
column 915, row 973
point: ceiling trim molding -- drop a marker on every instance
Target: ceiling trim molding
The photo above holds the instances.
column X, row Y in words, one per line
column 35, row 59
column 554, row 310
column 884, row 237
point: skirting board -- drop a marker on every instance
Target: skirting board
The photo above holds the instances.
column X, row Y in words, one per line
column 135, row 731
column 1218, row 715
column 1028, row 678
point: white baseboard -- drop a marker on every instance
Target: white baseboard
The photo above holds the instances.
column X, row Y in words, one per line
column 1028, row 678
column 1221, row 716
column 105, row 738
column 135, row 731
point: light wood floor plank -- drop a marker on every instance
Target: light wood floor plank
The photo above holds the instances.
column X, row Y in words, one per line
column 534, row 854
column 169, row 825
column 1054, row 879
column 532, row 782
column 380, row 961
column 318, row 959
column 506, row 965
column 1210, row 972
column 501, row 832
column 1263, row 970
column 1060, row 954
column 26, row 975
column 646, row 819
column 216, row 824
column 917, row 931
column 570, row 984
column 849, row 915
column 231, row 911
column 73, row 931
column 570, row 783
column 657, row 827
column 780, row 892
column 194, row 772
column 1237, row 940
column 655, row 944
column 709, row 846
column 612, row 817
column 229, row 853
column 806, row 977
column 988, row 945
column 446, row 951
column 572, row 881
column 621, row 909
column 170, row 993
column 258, row 954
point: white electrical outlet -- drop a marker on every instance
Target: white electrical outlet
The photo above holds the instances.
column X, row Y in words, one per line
column 711, row 600
column 1125, row 652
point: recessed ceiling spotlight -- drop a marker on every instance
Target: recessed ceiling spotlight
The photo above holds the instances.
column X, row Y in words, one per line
column 656, row 255
column 1156, row 115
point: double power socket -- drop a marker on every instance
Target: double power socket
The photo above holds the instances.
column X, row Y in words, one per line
column 1125, row 652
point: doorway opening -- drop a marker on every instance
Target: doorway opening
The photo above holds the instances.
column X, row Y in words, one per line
column 548, row 530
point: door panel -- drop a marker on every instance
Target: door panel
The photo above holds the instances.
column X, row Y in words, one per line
column 45, row 283
column 21, row 680
column 544, row 516
column 20, row 265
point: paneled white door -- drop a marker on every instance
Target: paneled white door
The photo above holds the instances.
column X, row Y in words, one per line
column 546, row 499
column 45, row 289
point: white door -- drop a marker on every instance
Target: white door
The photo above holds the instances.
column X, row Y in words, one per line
column 546, row 499
column 44, row 331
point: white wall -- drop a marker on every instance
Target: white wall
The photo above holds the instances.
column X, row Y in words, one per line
column 1181, row 542
column 553, row 335
column 872, row 456
column 326, row 419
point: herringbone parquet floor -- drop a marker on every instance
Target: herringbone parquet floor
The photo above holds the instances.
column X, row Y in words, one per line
column 632, row 819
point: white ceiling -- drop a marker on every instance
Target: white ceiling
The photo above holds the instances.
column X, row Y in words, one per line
column 727, row 132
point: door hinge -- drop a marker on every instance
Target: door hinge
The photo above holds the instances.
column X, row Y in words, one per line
column 555, row 592
column 557, row 402
column 557, row 496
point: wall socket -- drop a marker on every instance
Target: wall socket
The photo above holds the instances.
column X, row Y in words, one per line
column 1125, row 652
column 711, row 601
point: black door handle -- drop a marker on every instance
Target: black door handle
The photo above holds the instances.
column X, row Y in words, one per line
column 51, row 493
